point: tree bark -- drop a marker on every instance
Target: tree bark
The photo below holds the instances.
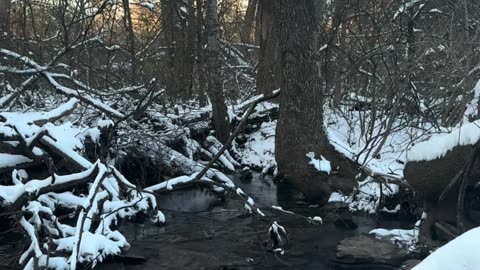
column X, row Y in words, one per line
column 178, row 29
column 5, row 28
column 300, row 125
column 188, row 66
column 202, row 82
column 247, row 27
column 268, row 75
column 214, row 67
column 333, row 66
column 127, row 21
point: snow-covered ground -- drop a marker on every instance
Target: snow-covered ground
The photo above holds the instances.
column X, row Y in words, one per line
column 382, row 151
column 259, row 149
column 459, row 254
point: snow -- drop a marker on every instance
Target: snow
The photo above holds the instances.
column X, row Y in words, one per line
column 391, row 211
column 317, row 219
column 338, row 197
column 250, row 203
column 8, row 160
column 104, row 122
column 368, row 196
column 259, row 148
column 159, row 218
column 460, row 253
column 168, row 184
column 322, row 164
column 148, row 5
column 404, row 6
column 65, row 199
column 34, row 246
column 10, row 194
column 225, row 158
column 438, row 145
column 404, row 238
column 324, row 47
column 55, row 263
column 278, row 231
column 279, row 208
column 91, row 11
column 435, row 10
column 32, row 117
column 94, row 247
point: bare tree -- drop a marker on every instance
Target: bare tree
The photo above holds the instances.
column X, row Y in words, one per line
column 128, row 24
column 214, row 68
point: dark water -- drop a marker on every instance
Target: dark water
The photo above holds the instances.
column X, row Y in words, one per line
column 220, row 238
column 203, row 232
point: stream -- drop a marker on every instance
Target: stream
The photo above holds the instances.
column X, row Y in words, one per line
column 205, row 232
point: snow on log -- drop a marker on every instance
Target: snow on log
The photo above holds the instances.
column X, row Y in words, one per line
column 213, row 149
column 94, row 247
column 170, row 183
column 74, row 93
column 438, row 145
column 17, row 195
column 170, row 157
column 217, row 144
column 41, row 118
column 12, row 161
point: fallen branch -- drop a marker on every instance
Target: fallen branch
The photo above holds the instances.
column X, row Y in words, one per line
column 237, row 130
column 385, row 178
column 20, row 196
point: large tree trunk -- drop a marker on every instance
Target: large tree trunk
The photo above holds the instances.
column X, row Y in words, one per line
column 300, row 125
column 215, row 79
column 268, row 74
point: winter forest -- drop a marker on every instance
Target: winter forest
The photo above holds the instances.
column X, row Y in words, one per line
column 239, row 134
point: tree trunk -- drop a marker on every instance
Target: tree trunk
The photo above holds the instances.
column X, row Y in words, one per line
column 334, row 63
column 188, row 66
column 247, row 27
column 127, row 21
column 268, row 75
column 214, row 67
column 5, row 30
column 202, row 82
column 300, row 125
column 178, row 31
column 5, row 7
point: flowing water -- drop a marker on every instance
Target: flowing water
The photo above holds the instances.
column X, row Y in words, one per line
column 204, row 232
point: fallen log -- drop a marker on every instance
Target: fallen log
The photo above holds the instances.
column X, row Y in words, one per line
column 442, row 179
column 13, row 198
